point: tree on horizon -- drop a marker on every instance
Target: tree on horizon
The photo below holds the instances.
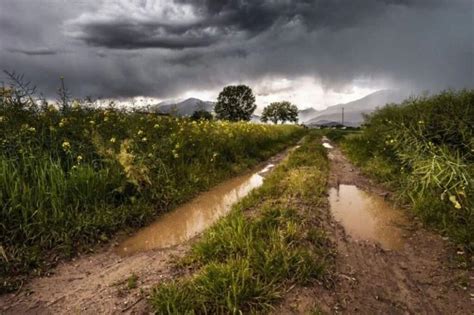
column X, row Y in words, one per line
column 235, row 103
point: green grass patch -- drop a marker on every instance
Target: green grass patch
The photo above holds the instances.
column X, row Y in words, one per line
column 269, row 242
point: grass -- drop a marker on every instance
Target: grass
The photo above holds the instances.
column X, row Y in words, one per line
column 424, row 150
column 132, row 281
column 270, row 241
column 72, row 175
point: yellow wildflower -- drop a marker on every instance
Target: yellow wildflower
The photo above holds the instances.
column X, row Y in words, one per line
column 455, row 202
column 66, row 146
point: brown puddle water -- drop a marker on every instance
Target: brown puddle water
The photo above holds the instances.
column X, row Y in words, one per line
column 193, row 217
column 366, row 216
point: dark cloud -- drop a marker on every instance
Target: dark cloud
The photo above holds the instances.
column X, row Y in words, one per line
column 35, row 51
column 135, row 36
column 163, row 48
column 218, row 20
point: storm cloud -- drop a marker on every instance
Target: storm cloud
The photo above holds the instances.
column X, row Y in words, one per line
column 164, row 48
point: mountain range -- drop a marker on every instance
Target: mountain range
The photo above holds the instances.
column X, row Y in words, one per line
column 353, row 111
column 184, row 108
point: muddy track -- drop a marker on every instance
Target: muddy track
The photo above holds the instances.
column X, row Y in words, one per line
column 420, row 278
column 98, row 283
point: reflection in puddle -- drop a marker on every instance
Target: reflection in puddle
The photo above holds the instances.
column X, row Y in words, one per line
column 267, row 168
column 327, row 145
column 193, row 217
column 366, row 217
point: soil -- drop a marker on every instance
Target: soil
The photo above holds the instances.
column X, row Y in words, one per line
column 420, row 278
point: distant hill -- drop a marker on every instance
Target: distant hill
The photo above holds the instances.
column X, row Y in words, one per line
column 354, row 111
column 255, row 118
column 188, row 107
column 306, row 114
column 184, row 108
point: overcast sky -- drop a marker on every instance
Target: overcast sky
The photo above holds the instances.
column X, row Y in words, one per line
column 311, row 52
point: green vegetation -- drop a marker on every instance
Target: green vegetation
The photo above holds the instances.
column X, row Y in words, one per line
column 71, row 177
column 272, row 240
column 280, row 112
column 424, row 150
column 201, row 114
column 132, row 281
column 235, row 103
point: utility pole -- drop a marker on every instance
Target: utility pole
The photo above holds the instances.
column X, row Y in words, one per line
column 342, row 116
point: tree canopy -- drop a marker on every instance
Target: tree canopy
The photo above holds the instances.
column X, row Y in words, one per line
column 235, row 102
column 280, row 111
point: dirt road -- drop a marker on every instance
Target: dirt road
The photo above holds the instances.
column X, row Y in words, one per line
column 419, row 278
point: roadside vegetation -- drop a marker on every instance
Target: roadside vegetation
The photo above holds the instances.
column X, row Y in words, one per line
column 72, row 174
column 424, row 150
column 272, row 240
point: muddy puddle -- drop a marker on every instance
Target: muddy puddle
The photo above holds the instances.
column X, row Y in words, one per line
column 367, row 216
column 193, row 217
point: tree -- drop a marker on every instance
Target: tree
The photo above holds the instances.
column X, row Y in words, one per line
column 235, row 102
column 201, row 114
column 280, row 111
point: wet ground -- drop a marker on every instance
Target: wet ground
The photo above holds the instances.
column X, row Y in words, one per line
column 194, row 217
column 367, row 216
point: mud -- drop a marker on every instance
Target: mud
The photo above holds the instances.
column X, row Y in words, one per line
column 420, row 277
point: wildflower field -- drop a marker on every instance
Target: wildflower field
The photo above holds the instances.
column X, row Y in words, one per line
column 424, row 149
column 72, row 175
